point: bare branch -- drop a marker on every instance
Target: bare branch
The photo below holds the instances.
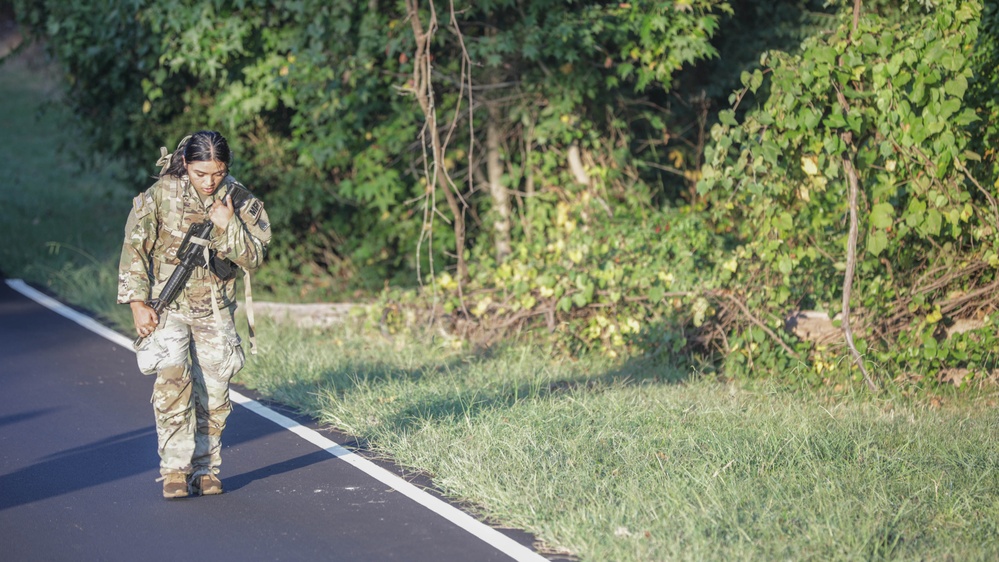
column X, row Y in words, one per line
column 745, row 311
column 434, row 169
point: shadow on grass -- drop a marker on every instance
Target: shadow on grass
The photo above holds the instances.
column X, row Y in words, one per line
column 466, row 400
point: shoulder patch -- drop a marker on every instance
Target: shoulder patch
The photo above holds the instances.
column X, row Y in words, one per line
column 238, row 192
column 142, row 204
column 251, row 210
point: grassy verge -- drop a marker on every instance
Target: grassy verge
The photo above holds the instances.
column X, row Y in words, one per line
column 621, row 464
column 632, row 461
column 62, row 211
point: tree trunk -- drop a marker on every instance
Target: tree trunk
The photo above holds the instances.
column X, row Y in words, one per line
column 501, row 197
column 576, row 165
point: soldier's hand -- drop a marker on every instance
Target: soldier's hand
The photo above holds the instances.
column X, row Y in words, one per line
column 145, row 318
column 221, row 212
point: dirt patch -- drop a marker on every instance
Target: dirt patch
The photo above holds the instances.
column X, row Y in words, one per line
column 321, row 315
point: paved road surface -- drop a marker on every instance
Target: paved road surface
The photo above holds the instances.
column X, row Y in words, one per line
column 78, row 466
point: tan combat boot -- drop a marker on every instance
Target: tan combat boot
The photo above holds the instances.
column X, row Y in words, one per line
column 206, row 485
column 175, row 485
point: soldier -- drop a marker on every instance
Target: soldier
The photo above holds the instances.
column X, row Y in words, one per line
column 192, row 346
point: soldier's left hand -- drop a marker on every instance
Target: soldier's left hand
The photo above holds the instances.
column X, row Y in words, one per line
column 221, row 212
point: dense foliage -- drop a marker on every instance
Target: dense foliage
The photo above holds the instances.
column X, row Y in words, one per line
column 888, row 101
column 580, row 167
column 318, row 99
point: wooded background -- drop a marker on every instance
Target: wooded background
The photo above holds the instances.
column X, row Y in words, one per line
column 694, row 178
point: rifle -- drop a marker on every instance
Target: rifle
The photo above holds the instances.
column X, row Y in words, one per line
column 191, row 256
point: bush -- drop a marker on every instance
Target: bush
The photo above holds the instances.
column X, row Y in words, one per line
column 887, row 104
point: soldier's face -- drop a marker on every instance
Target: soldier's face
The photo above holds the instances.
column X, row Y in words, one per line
column 206, row 176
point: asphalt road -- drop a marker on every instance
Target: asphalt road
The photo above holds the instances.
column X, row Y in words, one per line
column 78, row 466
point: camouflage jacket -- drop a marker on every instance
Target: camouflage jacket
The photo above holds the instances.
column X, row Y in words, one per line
column 156, row 225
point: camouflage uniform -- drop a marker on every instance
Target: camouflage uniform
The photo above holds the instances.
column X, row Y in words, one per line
column 195, row 349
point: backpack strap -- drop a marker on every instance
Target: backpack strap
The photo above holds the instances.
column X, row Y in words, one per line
column 166, row 157
column 248, row 294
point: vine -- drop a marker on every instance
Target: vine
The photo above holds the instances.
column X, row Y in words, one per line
column 851, row 246
column 870, row 120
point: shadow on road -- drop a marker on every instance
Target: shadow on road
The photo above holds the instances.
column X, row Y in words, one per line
column 24, row 416
column 235, row 482
column 79, row 468
column 126, row 455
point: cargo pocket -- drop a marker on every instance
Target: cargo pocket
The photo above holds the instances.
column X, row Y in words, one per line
column 233, row 357
column 151, row 354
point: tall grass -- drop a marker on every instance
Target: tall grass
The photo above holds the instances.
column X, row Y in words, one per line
column 630, row 461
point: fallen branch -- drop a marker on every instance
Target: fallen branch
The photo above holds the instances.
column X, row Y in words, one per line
column 745, row 311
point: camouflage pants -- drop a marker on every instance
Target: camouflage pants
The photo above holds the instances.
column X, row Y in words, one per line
column 193, row 360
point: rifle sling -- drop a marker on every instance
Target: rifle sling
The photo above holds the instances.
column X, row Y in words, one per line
column 215, row 297
column 247, row 292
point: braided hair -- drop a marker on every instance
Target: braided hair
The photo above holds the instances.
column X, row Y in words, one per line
column 202, row 146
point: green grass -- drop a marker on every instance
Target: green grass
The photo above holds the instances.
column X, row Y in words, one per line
column 630, row 461
column 63, row 211
column 620, row 464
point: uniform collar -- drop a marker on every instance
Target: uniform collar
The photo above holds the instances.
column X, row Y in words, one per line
column 190, row 191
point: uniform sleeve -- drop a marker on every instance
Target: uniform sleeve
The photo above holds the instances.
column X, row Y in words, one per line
column 135, row 266
column 246, row 237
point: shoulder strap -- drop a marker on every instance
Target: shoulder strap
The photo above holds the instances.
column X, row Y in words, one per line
column 248, row 294
column 166, row 157
column 172, row 188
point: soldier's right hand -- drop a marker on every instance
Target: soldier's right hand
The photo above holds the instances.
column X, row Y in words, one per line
column 144, row 317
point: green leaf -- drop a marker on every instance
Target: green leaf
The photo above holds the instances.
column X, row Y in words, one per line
column 933, row 222
column 823, row 54
column 957, row 86
column 915, row 214
column 771, row 152
column 785, row 264
column 877, row 242
column 949, row 107
column 785, row 222
column 727, row 117
column 856, row 121
column 882, row 215
column 835, row 120
column 810, row 118
column 967, row 117
column 656, row 294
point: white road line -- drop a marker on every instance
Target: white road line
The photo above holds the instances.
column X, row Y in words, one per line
column 491, row 536
column 58, row 307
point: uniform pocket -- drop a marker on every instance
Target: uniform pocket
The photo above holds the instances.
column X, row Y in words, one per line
column 232, row 356
column 151, row 354
column 234, row 361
